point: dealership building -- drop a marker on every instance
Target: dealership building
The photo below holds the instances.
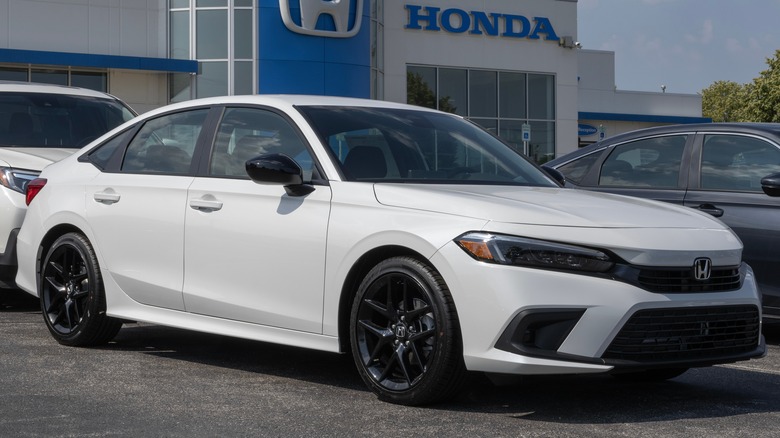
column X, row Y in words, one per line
column 514, row 67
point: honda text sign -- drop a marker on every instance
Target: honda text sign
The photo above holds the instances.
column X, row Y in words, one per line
column 314, row 15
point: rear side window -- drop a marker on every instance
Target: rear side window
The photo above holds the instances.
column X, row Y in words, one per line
column 54, row 120
column 737, row 163
column 165, row 144
column 651, row 163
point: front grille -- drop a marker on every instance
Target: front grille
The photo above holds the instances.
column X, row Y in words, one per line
column 682, row 280
column 667, row 335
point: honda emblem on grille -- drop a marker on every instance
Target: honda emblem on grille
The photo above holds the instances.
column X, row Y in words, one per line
column 702, row 269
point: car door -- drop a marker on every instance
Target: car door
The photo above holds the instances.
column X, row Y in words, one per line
column 137, row 211
column 726, row 182
column 253, row 253
column 651, row 167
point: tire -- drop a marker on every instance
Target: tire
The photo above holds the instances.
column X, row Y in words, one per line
column 405, row 335
column 655, row 375
column 72, row 294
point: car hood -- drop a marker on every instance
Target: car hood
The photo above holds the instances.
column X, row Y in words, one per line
column 543, row 206
column 32, row 158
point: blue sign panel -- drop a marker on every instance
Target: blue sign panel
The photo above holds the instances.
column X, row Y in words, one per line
column 584, row 130
column 314, row 47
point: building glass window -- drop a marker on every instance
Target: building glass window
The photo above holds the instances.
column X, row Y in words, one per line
column 212, row 34
column 49, row 76
column 499, row 101
column 377, row 49
column 14, row 74
column 454, row 90
column 483, row 89
column 93, row 79
column 220, row 34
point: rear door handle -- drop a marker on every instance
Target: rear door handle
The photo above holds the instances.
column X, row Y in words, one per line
column 711, row 209
column 205, row 205
column 106, row 197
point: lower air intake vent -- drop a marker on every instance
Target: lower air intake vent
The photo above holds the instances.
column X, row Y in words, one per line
column 665, row 335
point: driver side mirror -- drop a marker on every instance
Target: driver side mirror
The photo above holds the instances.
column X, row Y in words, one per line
column 771, row 184
column 278, row 169
column 555, row 174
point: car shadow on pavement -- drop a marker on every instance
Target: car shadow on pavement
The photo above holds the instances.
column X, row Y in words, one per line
column 15, row 300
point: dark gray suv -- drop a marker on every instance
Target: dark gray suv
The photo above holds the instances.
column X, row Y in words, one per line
column 729, row 170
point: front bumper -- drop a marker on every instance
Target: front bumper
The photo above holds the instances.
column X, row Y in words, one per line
column 531, row 321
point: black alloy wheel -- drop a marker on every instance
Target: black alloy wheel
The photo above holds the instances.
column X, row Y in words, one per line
column 72, row 296
column 404, row 334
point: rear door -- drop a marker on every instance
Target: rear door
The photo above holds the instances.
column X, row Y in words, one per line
column 726, row 182
column 137, row 211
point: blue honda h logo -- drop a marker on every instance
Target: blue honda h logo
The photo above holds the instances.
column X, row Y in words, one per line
column 311, row 10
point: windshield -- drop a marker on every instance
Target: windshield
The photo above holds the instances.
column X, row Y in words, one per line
column 57, row 120
column 400, row 145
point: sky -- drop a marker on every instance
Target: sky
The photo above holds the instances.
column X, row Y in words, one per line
column 684, row 44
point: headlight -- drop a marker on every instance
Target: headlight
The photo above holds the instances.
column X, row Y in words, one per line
column 16, row 179
column 520, row 251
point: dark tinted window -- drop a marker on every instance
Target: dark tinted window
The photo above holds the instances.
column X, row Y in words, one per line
column 732, row 162
column 576, row 170
column 652, row 163
column 52, row 120
column 101, row 156
column 165, row 144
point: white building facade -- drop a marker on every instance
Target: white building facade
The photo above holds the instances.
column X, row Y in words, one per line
column 511, row 66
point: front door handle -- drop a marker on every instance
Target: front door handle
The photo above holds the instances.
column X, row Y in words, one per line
column 205, row 205
column 711, row 209
column 106, row 197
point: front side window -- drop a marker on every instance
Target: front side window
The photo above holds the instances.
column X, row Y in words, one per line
column 737, row 163
column 650, row 163
column 395, row 145
column 576, row 170
column 165, row 145
column 247, row 133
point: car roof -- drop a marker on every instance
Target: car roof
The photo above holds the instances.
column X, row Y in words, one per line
column 31, row 87
column 772, row 129
column 286, row 101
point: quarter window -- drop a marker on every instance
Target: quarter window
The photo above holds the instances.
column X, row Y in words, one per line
column 165, row 144
column 738, row 163
column 651, row 163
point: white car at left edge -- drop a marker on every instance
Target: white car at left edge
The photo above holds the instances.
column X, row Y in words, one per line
column 411, row 238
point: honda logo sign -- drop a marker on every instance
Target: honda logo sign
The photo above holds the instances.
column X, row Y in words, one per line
column 311, row 10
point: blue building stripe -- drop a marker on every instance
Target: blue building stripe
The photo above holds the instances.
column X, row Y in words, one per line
column 642, row 118
column 98, row 61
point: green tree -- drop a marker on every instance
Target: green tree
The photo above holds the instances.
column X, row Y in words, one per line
column 757, row 101
column 724, row 101
column 763, row 103
column 420, row 93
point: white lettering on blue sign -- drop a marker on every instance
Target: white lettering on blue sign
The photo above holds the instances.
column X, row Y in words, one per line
column 455, row 20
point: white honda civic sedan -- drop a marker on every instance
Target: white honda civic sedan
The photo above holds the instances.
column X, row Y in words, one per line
column 411, row 238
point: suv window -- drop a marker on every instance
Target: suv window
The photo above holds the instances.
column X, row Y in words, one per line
column 734, row 162
column 56, row 120
column 576, row 170
column 651, row 162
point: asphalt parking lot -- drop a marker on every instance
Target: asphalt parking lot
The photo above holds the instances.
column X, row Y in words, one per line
column 156, row 381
